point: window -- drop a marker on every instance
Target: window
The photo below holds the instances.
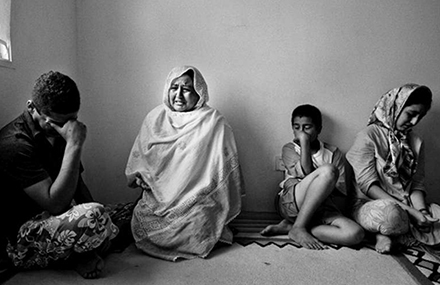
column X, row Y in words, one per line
column 5, row 33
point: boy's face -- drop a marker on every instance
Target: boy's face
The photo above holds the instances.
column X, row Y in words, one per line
column 305, row 125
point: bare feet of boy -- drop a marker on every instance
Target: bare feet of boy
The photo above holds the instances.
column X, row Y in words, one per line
column 304, row 238
column 89, row 265
column 383, row 243
column 282, row 228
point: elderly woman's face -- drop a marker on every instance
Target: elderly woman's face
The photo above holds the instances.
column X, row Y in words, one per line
column 182, row 95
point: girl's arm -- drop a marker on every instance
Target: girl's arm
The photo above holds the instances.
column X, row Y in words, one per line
column 418, row 200
column 420, row 219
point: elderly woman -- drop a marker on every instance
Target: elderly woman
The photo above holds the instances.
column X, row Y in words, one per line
column 185, row 160
column 388, row 162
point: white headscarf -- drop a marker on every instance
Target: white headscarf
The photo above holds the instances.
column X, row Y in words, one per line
column 171, row 146
column 199, row 83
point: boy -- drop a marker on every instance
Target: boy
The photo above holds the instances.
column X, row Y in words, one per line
column 313, row 170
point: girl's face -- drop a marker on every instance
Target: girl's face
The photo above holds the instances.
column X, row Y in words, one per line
column 410, row 116
column 182, row 95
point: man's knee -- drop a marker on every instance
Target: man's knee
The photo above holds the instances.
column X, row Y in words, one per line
column 93, row 205
column 88, row 208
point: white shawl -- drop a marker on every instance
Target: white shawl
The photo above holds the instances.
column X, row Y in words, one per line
column 189, row 162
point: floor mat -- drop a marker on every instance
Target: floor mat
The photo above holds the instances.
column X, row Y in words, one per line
column 253, row 259
column 240, row 265
column 247, row 232
column 425, row 262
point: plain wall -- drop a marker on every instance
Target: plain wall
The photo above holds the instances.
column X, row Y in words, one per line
column 260, row 59
column 43, row 35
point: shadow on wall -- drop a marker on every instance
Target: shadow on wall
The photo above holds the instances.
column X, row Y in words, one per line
column 430, row 132
column 255, row 154
column 329, row 128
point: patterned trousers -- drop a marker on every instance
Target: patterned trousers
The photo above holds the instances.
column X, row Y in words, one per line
column 46, row 239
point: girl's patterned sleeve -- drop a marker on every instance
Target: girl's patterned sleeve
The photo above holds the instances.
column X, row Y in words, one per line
column 339, row 161
column 418, row 181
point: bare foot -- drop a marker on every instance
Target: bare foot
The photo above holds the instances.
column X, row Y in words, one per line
column 383, row 243
column 89, row 265
column 281, row 228
column 304, row 238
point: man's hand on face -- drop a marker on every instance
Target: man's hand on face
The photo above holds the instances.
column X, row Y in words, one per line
column 73, row 132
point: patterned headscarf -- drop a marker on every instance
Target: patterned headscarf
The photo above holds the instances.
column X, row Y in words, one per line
column 400, row 162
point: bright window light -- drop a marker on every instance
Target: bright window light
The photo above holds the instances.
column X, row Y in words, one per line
column 5, row 33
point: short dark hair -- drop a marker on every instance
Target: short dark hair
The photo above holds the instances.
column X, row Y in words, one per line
column 308, row 111
column 56, row 92
column 421, row 95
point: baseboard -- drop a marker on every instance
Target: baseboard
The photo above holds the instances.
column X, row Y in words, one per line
column 258, row 216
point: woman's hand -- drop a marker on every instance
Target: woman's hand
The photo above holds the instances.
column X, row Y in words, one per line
column 140, row 182
column 422, row 219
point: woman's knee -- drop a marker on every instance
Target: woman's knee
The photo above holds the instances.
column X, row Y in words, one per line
column 383, row 216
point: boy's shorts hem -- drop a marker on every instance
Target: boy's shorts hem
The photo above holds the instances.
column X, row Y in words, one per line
column 287, row 208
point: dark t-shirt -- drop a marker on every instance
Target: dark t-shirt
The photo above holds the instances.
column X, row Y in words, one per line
column 26, row 158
